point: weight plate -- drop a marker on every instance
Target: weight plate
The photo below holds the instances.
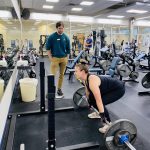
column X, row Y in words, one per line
column 134, row 75
column 105, row 64
column 117, row 141
column 123, row 70
column 32, row 74
column 79, row 98
column 121, row 124
column 146, row 81
column 137, row 63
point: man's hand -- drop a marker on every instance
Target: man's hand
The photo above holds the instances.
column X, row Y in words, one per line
column 49, row 55
column 50, row 58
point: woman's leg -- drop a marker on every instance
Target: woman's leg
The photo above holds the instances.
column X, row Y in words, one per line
column 113, row 96
column 107, row 114
column 110, row 98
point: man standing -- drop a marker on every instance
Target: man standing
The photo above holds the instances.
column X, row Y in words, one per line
column 88, row 43
column 58, row 50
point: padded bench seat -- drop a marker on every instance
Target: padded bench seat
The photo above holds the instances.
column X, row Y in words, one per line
column 73, row 62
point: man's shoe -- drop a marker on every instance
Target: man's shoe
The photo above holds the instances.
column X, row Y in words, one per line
column 58, row 97
column 93, row 115
column 59, row 94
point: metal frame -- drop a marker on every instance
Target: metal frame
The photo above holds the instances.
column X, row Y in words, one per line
column 14, row 116
column 10, row 140
column 42, row 87
column 82, row 146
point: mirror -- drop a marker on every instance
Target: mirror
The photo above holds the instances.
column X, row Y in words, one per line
column 9, row 45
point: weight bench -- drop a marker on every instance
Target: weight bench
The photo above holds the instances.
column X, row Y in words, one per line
column 141, row 56
column 113, row 65
column 71, row 72
column 74, row 62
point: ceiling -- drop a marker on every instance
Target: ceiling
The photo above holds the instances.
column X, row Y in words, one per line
column 63, row 7
column 100, row 8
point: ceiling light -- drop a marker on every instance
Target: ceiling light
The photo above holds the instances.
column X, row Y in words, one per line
column 87, row 3
column 76, row 9
column 48, row 7
column 142, row 23
column 140, row 4
column 142, row 18
column 109, row 21
column 45, row 16
column 53, row 1
column 115, row 16
column 136, row 11
column 5, row 14
column 83, row 19
column 116, row 0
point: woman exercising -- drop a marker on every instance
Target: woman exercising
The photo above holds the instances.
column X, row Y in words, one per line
column 100, row 91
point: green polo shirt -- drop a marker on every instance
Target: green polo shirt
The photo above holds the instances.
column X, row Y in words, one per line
column 59, row 45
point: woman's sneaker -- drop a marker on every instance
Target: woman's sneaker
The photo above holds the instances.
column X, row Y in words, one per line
column 93, row 115
column 105, row 127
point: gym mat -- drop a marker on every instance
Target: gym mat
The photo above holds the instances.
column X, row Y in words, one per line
column 71, row 128
column 35, row 105
column 5, row 135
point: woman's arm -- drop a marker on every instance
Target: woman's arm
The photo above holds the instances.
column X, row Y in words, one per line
column 94, row 83
column 86, row 90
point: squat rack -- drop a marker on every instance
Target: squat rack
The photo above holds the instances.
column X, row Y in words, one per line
column 51, row 116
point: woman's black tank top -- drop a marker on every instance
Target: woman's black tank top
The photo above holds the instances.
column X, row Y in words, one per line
column 107, row 84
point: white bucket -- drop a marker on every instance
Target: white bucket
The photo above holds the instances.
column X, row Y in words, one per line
column 28, row 89
column 22, row 63
column 1, row 88
column 3, row 63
